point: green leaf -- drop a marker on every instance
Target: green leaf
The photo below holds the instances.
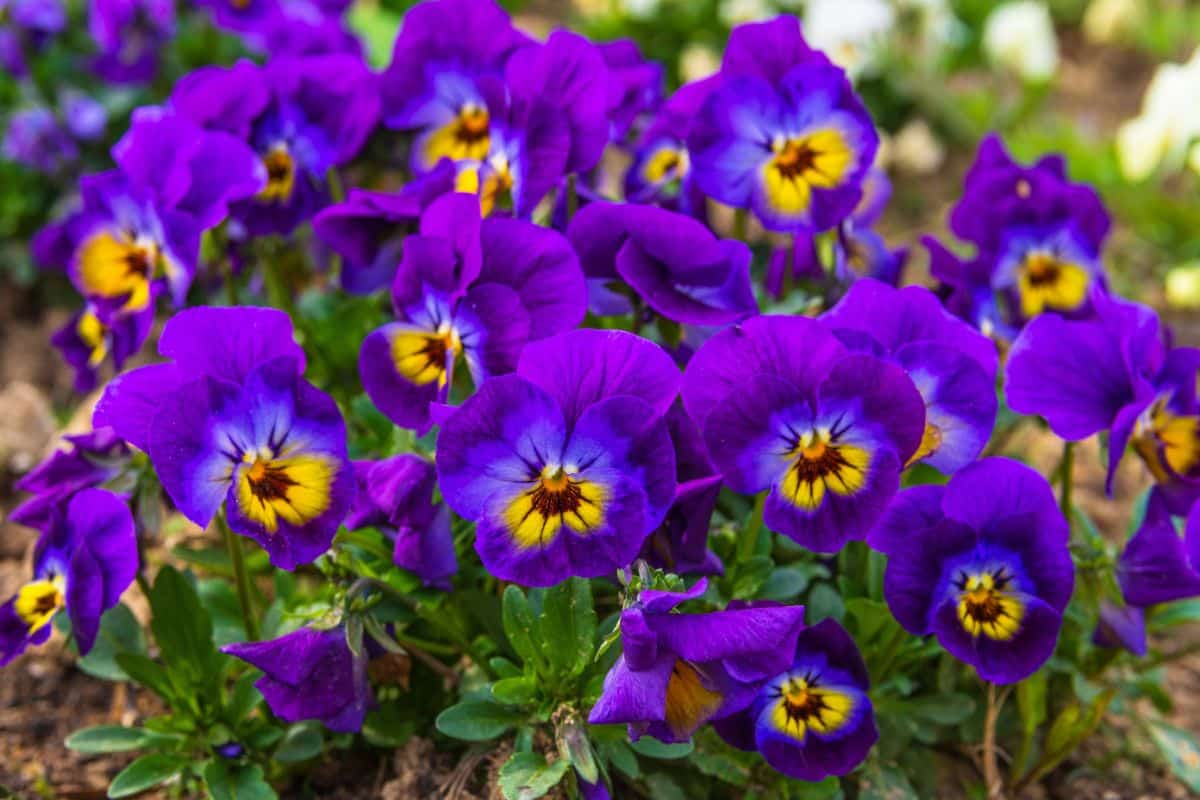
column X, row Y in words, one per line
column 941, row 709
column 784, row 583
column 120, row 632
column 824, row 602
column 147, row 771
column 869, row 618
column 520, row 627
column 515, row 691
column 107, row 739
column 477, row 721
column 650, row 747
column 1031, row 701
column 884, row 782
column 243, row 699
column 621, row 757
column 568, row 626
column 1180, row 750
column 750, row 575
column 300, row 743
column 146, row 671
column 1172, row 614
column 182, row 627
column 526, row 776
column 237, row 782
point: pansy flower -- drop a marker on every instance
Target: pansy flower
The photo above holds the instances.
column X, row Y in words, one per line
column 952, row 365
column 635, row 86
column 467, row 292
column 94, row 335
column 784, row 134
column 130, row 35
column 27, row 24
column 982, row 563
column 229, row 421
column 395, row 495
column 368, row 228
column 90, row 460
column 84, row 560
column 1121, row 627
column 303, row 116
column 814, row 718
column 787, row 408
column 36, row 138
column 673, row 263
column 311, row 674
column 1111, row 371
column 566, row 466
column 679, row 671
column 1157, row 566
column 661, row 171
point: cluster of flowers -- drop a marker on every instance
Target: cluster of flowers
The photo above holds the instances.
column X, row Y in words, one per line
column 574, row 451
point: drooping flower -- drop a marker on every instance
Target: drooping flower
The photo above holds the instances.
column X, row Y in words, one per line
column 679, row 671
column 467, row 291
column 952, row 365
column 311, row 674
column 130, row 35
column 982, row 563
column 567, row 465
column 673, row 263
column 661, row 171
column 395, row 495
column 368, row 228
column 84, row 560
column 303, row 116
column 230, row 421
column 1112, row 372
column 826, row 433
column 813, row 719
column 92, row 459
column 1121, row 627
column 1157, row 566
column 784, row 134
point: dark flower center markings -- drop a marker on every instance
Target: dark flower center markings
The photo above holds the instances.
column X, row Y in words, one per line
column 987, row 605
column 820, row 462
column 281, row 173
column 803, row 704
column 558, row 498
column 295, row 487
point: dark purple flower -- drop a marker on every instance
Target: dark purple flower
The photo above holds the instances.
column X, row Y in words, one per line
column 679, row 671
column 952, row 365
column 814, row 719
column 396, row 496
column 661, row 171
column 311, row 674
column 566, row 466
column 1157, row 566
column 84, row 560
column 27, row 23
column 982, row 563
column 37, row 139
column 635, row 86
column 1121, row 627
column 131, row 35
column 368, row 228
column 671, row 261
column 91, row 459
column 467, row 292
column 826, row 434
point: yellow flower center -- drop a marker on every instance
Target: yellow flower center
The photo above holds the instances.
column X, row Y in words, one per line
column 557, row 497
column 1047, row 282
column 294, row 488
column 424, row 357
column 817, row 463
column 38, row 601
column 987, row 607
column 281, row 174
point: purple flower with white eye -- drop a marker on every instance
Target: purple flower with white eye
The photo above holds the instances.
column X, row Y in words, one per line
column 982, row 563
column 814, row 719
column 85, row 117
column 679, row 671
column 311, row 674
column 395, row 495
column 952, row 365
column 467, row 291
column 565, row 466
column 674, row 264
column 84, row 560
column 827, row 435
column 131, row 35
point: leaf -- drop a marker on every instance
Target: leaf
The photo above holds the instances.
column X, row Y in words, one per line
column 650, row 747
column 107, row 739
column 520, row 627
column 237, row 782
column 941, row 709
column 568, row 626
column 884, row 782
column 749, row 576
column 1031, row 701
column 621, row 757
column 120, row 632
column 147, row 771
column 300, row 743
column 182, row 627
column 146, row 671
column 1180, row 750
column 870, row 617
column 1170, row 614
column 515, row 691
column 477, row 721
column 526, row 776
column 784, row 583
column 824, row 602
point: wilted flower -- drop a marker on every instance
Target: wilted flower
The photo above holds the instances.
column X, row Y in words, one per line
column 982, row 563
column 679, row 671
column 566, row 466
column 814, row 719
column 84, row 560
column 1019, row 36
column 827, row 434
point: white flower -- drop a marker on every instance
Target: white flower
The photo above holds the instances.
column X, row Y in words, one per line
column 698, row 61
column 735, row 12
column 851, row 32
column 1110, row 20
column 1020, row 37
column 1168, row 125
column 641, row 9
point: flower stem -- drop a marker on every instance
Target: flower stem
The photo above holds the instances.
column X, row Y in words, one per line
column 1066, row 472
column 572, row 197
column 238, row 557
column 991, row 767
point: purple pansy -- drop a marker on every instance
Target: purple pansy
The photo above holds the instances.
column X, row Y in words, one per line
column 94, row 334
column 635, row 86
column 311, row 674
column 467, row 292
column 36, row 138
column 84, row 560
column 567, row 465
column 1157, row 566
column 952, row 365
column 679, row 671
column 92, row 459
column 827, row 434
column 395, row 495
column 27, row 24
column 982, row 563
column 813, row 719
column 1121, row 627
column 661, row 171
column 673, row 263
column 131, row 35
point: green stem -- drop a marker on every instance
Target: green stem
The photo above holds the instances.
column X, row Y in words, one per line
column 991, row 767
column 748, row 543
column 238, row 557
column 1066, row 473
column 890, row 651
column 572, row 197
column 741, row 222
